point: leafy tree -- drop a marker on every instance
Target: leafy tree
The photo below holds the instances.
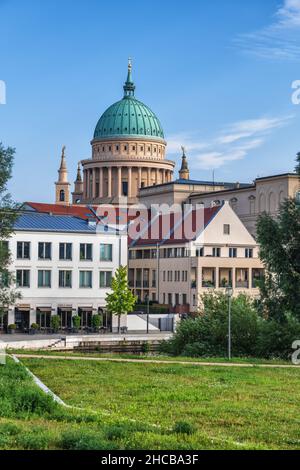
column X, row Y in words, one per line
column 279, row 241
column 8, row 216
column 207, row 334
column 298, row 164
column 121, row 300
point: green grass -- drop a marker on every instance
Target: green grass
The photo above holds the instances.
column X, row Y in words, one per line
column 225, row 408
column 151, row 357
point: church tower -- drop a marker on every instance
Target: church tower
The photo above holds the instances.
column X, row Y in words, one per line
column 77, row 194
column 184, row 173
column 62, row 186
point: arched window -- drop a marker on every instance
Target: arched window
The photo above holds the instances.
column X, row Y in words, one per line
column 272, row 203
column 62, row 196
column 252, row 200
column 234, row 203
column 262, row 203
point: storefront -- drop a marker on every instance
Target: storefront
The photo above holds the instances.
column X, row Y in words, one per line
column 65, row 313
column 43, row 318
column 22, row 318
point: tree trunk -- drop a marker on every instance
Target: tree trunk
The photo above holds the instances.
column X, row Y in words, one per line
column 119, row 324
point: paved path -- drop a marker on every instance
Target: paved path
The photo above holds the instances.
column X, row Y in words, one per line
column 157, row 361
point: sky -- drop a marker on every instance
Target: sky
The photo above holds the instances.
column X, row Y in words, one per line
column 218, row 74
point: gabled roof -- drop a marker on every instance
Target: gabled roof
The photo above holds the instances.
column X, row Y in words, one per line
column 167, row 229
column 78, row 211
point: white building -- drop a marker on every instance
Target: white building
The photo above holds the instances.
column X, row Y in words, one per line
column 176, row 270
column 63, row 265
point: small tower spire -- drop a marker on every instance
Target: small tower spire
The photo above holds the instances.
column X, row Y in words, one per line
column 77, row 194
column 62, row 186
column 129, row 86
column 184, row 173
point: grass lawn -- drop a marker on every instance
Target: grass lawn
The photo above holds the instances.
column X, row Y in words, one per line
column 151, row 357
column 222, row 408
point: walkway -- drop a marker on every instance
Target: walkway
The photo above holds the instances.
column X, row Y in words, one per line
column 157, row 361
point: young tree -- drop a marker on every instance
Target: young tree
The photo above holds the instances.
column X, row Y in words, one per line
column 121, row 300
column 279, row 242
column 8, row 215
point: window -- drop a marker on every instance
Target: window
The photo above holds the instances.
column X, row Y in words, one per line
column 125, row 188
column 226, row 229
column 86, row 252
column 44, row 278
column 62, row 196
column 184, row 299
column 23, row 278
column 105, row 279
column 216, row 252
column 248, row 253
column 164, row 276
column 65, row 279
column 65, row 251
column 232, row 252
column 200, row 252
column 44, row 250
column 85, row 279
column 23, row 250
column 106, row 252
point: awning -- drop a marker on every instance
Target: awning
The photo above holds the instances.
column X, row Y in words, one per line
column 23, row 308
column 44, row 309
column 86, row 309
column 65, row 308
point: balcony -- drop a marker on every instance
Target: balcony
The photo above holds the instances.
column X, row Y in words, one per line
column 225, row 276
column 208, row 278
column 242, row 278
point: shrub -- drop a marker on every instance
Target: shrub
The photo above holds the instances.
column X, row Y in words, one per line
column 55, row 323
column 35, row 326
column 37, row 440
column 12, row 327
column 78, row 440
column 97, row 321
column 207, row 334
column 183, row 427
column 76, row 322
column 275, row 339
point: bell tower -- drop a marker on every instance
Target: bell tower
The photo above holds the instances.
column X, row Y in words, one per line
column 62, row 186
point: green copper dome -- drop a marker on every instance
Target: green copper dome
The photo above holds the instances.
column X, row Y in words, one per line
column 128, row 118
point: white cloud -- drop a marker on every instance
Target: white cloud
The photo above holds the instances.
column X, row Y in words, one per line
column 280, row 39
column 232, row 143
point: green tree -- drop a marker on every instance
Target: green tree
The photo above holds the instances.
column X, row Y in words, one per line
column 8, row 216
column 298, row 164
column 279, row 241
column 207, row 334
column 121, row 300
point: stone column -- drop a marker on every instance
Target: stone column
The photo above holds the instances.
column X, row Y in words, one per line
column 157, row 176
column 109, row 182
column 163, row 176
column 129, row 181
column 139, row 177
column 101, row 182
column 149, row 177
column 94, row 195
column 119, row 181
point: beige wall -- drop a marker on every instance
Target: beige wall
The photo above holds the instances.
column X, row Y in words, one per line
column 265, row 196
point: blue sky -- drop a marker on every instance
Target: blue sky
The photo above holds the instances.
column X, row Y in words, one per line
column 218, row 74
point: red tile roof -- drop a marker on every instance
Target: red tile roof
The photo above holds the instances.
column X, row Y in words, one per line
column 174, row 228
column 83, row 212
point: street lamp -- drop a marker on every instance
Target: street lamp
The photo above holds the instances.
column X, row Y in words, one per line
column 229, row 293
